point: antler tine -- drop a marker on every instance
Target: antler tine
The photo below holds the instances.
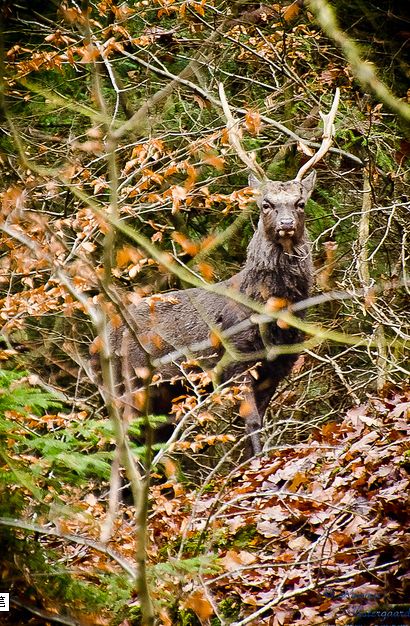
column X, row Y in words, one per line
column 327, row 137
column 233, row 133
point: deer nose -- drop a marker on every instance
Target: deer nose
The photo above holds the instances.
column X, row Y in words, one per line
column 287, row 223
column 286, row 227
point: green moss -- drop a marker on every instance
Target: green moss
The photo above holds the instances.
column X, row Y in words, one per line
column 230, row 607
column 245, row 536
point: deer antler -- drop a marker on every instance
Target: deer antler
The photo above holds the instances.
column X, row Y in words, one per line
column 234, row 137
column 327, row 137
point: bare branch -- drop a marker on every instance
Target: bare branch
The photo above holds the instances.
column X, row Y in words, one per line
column 327, row 137
column 140, row 116
column 84, row 541
column 293, row 593
column 362, row 70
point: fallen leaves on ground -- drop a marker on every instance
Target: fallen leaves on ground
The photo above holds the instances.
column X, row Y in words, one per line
column 318, row 531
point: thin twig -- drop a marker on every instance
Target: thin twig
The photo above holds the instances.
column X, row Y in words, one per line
column 363, row 71
column 52, row 532
column 140, row 116
column 46, row 615
column 312, row 587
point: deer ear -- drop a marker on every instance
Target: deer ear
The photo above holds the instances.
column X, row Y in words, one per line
column 309, row 182
column 253, row 181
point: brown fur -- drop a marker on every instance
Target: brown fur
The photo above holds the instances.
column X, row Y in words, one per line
column 278, row 264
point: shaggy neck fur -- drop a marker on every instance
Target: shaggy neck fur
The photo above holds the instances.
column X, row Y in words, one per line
column 270, row 271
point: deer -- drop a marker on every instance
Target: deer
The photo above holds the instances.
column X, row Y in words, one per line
column 164, row 332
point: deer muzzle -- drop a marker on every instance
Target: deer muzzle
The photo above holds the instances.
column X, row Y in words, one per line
column 286, row 228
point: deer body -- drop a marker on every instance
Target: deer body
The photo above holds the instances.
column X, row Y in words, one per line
column 177, row 327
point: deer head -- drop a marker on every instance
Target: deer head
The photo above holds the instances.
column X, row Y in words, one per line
column 282, row 204
column 282, row 208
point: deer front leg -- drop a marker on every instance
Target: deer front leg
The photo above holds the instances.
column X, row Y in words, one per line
column 253, row 422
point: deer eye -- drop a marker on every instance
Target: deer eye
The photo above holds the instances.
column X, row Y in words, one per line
column 300, row 205
column 266, row 206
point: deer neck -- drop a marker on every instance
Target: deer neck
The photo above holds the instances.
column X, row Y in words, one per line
column 272, row 271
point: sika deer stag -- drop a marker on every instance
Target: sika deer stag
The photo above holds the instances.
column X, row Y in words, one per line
column 177, row 327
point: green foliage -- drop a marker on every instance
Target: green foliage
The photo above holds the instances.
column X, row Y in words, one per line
column 243, row 538
column 68, row 454
column 385, row 160
column 60, row 585
column 59, row 449
column 193, row 545
column 204, row 564
column 319, row 216
column 278, row 170
column 187, row 618
column 230, row 607
column 51, row 579
column 136, row 428
column 273, row 60
column 17, row 395
column 17, row 400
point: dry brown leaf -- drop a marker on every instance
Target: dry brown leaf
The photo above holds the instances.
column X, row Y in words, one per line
column 189, row 247
column 178, row 194
column 164, row 617
column 13, row 198
column 290, row 12
column 198, row 602
column 214, row 339
column 216, row 161
column 245, row 408
column 170, row 467
column 127, row 254
column 275, row 304
column 234, row 560
column 203, row 104
column 96, row 346
column 90, row 499
column 276, row 513
column 206, row 270
column 90, row 53
column 282, row 324
column 140, row 399
column 269, row 529
column 253, row 122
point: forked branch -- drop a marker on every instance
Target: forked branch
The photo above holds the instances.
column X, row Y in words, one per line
column 327, row 137
column 232, row 126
